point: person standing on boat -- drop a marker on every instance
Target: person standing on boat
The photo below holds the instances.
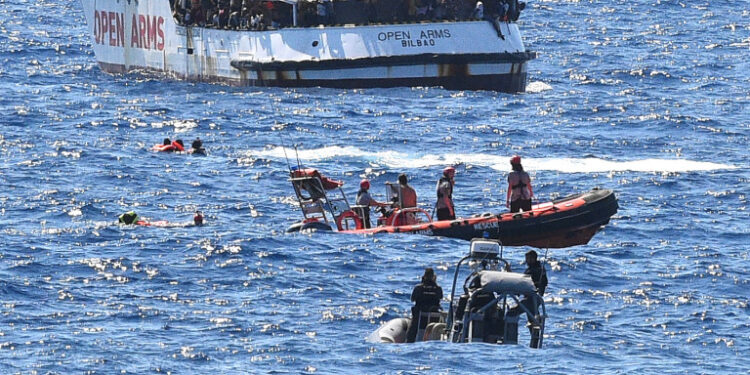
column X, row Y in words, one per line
column 365, row 201
column 426, row 296
column 535, row 269
column 444, row 205
column 520, row 191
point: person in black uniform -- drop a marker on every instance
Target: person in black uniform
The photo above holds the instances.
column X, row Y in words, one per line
column 426, row 296
column 537, row 272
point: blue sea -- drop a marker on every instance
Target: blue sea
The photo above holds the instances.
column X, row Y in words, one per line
column 648, row 98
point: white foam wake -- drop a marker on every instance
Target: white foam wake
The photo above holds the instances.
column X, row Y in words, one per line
column 399, row 160
column 537, row 87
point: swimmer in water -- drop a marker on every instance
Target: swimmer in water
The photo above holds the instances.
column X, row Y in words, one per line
column 128, row 218
column 177, row 145
column 131, row 218
column 170, row 146
column 198, row 147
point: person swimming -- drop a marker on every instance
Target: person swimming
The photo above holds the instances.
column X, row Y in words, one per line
column 128, row 218
column 131, row 218
column 170, row 146
column 197, row 147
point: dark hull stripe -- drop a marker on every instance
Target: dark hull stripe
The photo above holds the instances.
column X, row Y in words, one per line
column 423, row 59
column 515, row 82
column 497, row 82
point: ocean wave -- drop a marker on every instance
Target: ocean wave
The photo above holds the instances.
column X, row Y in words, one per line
column 400, row 160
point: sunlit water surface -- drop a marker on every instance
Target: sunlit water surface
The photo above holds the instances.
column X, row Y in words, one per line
column 647, row 98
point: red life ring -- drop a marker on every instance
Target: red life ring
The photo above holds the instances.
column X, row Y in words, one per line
column 346, row 215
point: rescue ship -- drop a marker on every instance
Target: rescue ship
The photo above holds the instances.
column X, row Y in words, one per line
column 329, row 43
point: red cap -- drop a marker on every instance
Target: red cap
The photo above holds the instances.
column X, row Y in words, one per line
column 515, row 159
column 364, row 184
column 449, row 171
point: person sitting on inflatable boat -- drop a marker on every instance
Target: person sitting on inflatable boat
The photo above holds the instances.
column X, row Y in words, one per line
column 426, row 296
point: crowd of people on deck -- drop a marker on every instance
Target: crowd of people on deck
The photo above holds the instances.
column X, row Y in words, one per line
column 263, row 14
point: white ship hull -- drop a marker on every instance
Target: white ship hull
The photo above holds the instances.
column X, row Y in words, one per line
column 142, row 35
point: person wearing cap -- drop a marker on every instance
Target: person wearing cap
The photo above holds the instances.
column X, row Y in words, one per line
column 520, row 191
column 365, row 201
column 426, row 296
column 444, row 205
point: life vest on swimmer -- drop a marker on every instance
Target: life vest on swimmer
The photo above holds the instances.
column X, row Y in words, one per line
column 163, row 148
column 328, row 183
column 176, row 146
